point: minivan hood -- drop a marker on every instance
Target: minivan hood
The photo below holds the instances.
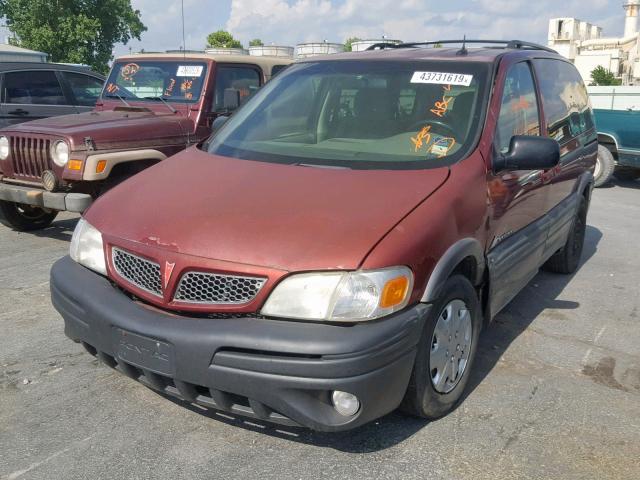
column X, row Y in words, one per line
column 286, row 217
column 110, row 129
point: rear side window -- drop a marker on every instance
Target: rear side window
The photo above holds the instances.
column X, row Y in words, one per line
column 85, row 88
column 277, row 69
column 564, row 99
column 244, row 79
column 519, row 111
column 35, row 87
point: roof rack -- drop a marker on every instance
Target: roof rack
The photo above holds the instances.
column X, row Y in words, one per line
column 516, row 44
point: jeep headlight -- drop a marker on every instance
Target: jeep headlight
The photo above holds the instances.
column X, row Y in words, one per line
column 87, row 248
column 60, row 153
column 4, row 147
column 341, row 296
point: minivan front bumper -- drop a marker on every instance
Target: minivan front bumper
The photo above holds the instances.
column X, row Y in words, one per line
column 274, row 370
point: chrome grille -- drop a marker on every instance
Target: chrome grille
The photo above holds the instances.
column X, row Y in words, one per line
column 30, row 156
column 211, row 288
column 138, row 271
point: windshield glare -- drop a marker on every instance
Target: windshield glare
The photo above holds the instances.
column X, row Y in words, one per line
column 360, row 115
column 173, row 81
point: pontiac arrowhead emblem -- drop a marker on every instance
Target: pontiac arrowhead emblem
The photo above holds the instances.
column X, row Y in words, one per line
column 168, row 270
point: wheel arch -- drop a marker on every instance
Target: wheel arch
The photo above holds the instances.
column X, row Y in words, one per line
column 466, row 257
column 609, row 141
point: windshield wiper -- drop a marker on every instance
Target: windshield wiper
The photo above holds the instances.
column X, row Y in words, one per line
column 115, row 95
column 169, row 106
column 318, row 165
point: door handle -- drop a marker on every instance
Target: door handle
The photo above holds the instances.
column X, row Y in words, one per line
column 19, row 111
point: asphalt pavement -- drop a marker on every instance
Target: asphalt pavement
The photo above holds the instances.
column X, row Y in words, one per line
column 555, row 393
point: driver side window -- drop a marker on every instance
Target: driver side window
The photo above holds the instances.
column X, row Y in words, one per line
column 519, row 110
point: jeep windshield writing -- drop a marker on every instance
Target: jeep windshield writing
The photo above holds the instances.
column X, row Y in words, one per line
column 145, row 80
column 382, row 114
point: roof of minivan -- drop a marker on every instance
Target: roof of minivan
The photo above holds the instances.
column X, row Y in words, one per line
column 480, row 54
column 262, row 61
column 11, row 66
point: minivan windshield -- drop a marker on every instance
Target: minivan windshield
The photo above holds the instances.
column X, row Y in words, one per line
column 151, row 80
column 361, row 114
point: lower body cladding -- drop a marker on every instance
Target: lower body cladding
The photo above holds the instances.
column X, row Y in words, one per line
column 274, row 370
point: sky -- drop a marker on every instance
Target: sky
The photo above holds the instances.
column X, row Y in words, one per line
column 288, row 22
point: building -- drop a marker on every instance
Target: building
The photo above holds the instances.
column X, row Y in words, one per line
column 583, row 43
column 11, row 53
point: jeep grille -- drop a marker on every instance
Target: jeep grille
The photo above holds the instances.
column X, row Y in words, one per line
column 211, row 288
column 138, row 271
column 30, row 156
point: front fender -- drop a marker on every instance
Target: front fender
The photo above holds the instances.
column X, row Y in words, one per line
column 114, row 158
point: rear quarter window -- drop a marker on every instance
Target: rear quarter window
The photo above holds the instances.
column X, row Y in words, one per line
column 564, row 99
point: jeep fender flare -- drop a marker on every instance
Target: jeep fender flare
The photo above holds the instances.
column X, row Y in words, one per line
column 464, row 248
column 113, row 159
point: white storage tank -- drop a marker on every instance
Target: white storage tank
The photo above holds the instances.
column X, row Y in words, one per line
column 271, row 51
column 226, row 51
column 362, row 45
column 304, row 50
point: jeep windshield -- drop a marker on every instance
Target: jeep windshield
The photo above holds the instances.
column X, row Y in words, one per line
column 152, row 80
column 361, row 114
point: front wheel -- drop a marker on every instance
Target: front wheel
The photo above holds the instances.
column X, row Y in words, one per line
column 445, row 352
column 25, row 218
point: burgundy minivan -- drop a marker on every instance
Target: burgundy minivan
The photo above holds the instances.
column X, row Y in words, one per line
column 333, row 251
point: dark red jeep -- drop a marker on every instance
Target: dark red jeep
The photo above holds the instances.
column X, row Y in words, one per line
column 334, row 250
column 152, row 106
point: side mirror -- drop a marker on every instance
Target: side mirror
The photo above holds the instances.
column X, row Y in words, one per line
column 218, row 123
column 231, row 100
column 529, row 153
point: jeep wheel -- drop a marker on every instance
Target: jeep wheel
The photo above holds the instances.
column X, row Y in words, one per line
column 627, row 173
column 568, row 258
column 605, row 165
column 25, row 217
column 445, row 352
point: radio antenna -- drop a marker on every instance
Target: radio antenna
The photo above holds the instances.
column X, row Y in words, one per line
column 184, row 46
column 463, row 50
column 184, row 56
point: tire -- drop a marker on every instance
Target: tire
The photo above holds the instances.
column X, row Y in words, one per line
column 24, row 218
column 567, row 259
column 627, row 173
column 605, row 166
column 428, row 396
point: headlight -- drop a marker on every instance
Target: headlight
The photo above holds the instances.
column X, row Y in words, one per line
column 87, row 248
column 4, row 147
column 341, row 296
column 60, row 153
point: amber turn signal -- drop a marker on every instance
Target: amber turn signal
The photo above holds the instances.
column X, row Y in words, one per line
column 74, row 165
column 102, row 164
column 394, row 292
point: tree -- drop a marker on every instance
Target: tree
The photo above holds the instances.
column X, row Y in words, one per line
column 73, row 31
column 348, row 43
column 603, row 77
column 222, row 39
column 256, row 42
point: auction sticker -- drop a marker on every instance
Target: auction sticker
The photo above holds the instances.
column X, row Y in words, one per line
column 442, row 78
column 189, row 71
